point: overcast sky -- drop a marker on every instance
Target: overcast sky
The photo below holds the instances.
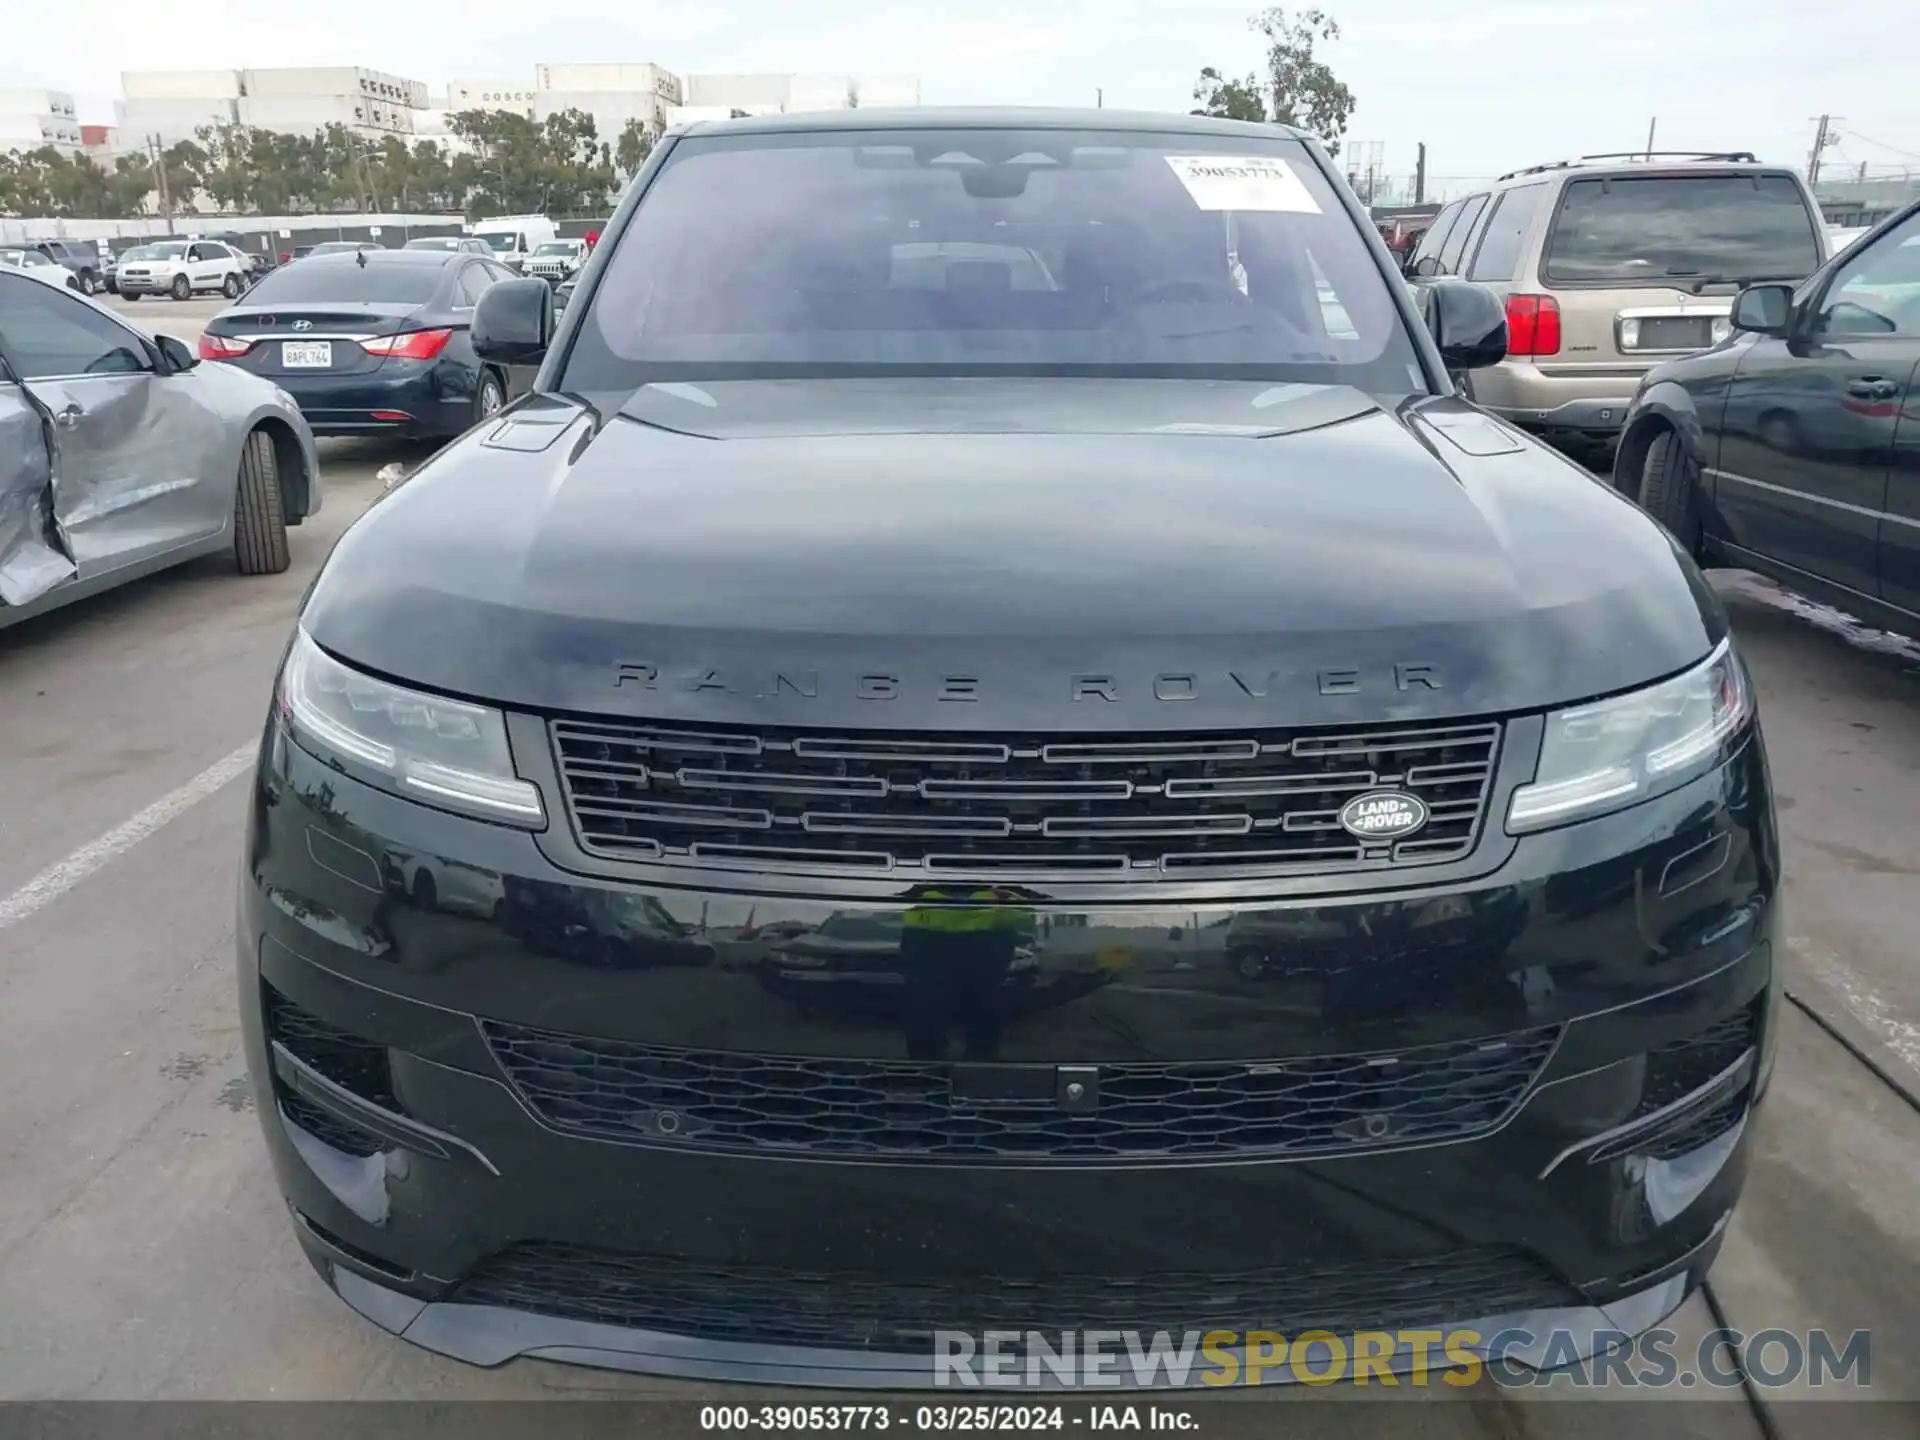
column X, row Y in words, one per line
column 1487, row 86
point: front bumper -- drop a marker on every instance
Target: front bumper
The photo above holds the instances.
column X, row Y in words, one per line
column 457, row 1203
column 144, row 284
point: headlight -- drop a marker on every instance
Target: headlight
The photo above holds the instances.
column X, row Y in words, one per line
column 1619, row 752
column 428, row 748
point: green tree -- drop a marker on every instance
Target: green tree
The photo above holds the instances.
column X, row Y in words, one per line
column 636, row 142
column 1229, row 99
column 1301, row 87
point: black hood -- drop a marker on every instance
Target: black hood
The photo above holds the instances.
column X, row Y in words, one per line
column 1002, row 555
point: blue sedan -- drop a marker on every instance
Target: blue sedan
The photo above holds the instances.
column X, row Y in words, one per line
column 373, row 342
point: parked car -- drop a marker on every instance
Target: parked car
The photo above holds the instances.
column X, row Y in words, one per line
column 563, row 294
column 82, row 257
column 464, row 244
column 804, row 583
column 1839, row 237
column 33, row 262
column 1610, row 264
column 373, row 341
column 160, row 459
column 1792, row 448
column 182, row 269
column 556, row 260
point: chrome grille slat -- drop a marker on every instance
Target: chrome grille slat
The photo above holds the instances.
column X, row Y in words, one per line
column 1089, row 806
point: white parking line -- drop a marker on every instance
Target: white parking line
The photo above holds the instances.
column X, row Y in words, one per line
column 1866, row 1004
column 53, row 882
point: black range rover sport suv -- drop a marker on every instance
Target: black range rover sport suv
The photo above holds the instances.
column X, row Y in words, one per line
column 993, row 749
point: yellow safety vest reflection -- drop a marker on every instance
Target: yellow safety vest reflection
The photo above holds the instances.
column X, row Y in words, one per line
column 969, row 913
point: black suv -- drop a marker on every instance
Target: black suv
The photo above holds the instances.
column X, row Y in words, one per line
column 1793, row 447
column 82, row 257
column 999, row 751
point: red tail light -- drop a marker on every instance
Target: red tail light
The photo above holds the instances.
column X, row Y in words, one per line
column 1533, row 325
column 414, row 345
column 219, row 347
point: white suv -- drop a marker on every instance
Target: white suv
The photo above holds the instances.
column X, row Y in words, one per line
column 557, row 260
column 181, row 268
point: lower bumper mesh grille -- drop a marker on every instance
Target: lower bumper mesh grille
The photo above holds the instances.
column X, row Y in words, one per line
column 869, row 1311
column 1332, row 1104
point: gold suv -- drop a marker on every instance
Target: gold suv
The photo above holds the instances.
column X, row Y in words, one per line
column 1610, row 264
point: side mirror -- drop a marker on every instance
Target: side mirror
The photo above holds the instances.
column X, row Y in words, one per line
column 177, row 354
column 1467, row 322
column 513, row 323
column 1764, row 310
column 1427, row 267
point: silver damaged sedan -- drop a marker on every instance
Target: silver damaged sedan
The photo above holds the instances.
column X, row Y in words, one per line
column 121, row 454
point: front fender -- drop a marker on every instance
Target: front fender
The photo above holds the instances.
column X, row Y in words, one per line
column 294, row 449
column 1662, row 404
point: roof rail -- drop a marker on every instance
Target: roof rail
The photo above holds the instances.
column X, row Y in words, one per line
column 1731, row 157
column 1746, row 157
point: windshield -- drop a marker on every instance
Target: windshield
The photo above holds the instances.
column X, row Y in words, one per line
column 334, row 282
column 142, row 252
column 992, row 251
column 502, row 239
column 163, row 252
column 1659, row 229
column 434, row 243
column 555, row 247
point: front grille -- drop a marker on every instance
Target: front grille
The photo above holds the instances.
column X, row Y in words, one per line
column 908, row 1110
column 861, row 1310
column 1112, row 806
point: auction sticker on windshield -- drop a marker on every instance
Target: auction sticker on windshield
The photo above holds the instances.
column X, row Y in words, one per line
column 1242, row 182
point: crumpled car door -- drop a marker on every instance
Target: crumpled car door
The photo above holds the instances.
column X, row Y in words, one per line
column 35, row 555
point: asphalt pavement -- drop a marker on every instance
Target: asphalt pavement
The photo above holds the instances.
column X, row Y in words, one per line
column 144, row 1252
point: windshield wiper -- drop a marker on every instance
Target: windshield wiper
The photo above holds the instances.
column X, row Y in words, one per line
column 1700, row 282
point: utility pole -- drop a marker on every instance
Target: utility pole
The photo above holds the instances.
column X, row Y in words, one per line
column 1099, row 99
column 1822, row 138
column 160, row 176
column 1651, row 126
column 1420, row 177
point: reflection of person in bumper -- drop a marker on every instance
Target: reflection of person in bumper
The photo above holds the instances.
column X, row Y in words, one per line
column 956, row 947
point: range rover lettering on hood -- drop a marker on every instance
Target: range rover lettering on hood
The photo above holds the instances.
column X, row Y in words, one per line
column 1170, row 686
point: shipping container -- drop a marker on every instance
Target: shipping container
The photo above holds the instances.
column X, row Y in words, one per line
column 495, row 94
column 693, row 114
column 170, row 120
column 303, row 114
column 37, row 102
column 180, row 84
column 706, row 91
column 648, row 79
column 330, row 80
column 610, row 109
column 888, row 91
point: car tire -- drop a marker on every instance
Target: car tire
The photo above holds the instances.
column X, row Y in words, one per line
column 1667, row 484
column 230, row 287
column 181, row 289
column 259, row 519
column 488, row 396
column 89, row 285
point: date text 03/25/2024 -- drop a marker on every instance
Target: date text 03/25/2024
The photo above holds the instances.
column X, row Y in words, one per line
column 769, row 1419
